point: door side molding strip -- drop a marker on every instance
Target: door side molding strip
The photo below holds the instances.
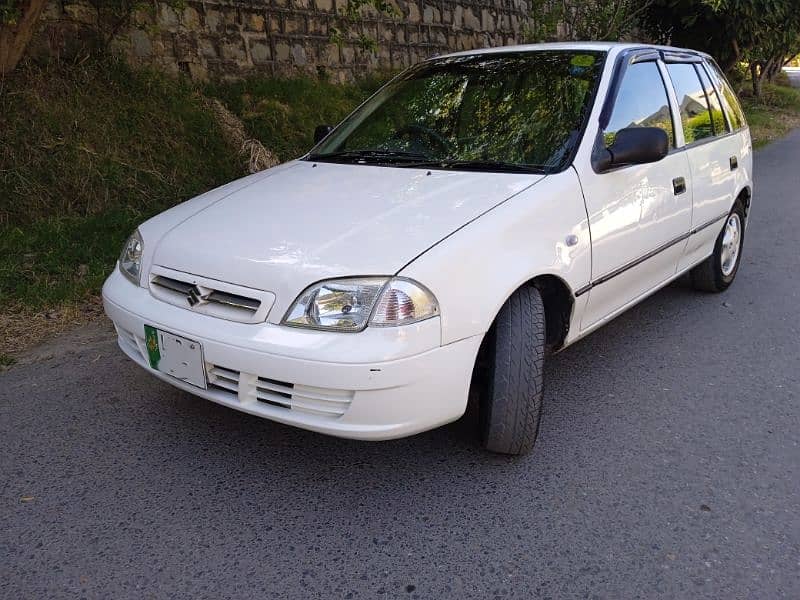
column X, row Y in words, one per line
column 637, row 261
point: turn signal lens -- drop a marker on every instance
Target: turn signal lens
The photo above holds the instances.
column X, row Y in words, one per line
column 404, row 301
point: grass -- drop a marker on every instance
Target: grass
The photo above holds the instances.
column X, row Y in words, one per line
column 88, row 152
column 773, row 115
column 82, row 140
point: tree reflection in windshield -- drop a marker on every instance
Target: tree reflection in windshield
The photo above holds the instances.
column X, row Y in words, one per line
column 523, row 108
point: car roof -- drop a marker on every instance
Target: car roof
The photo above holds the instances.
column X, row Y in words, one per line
column 601, row 46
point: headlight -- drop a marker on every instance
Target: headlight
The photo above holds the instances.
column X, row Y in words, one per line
column 351, row 304
column 130, row 261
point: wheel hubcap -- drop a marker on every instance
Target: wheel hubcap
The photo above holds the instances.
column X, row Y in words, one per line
column 731, row 242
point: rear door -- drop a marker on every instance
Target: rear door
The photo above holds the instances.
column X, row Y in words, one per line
column 639, row 215
column 713, row 149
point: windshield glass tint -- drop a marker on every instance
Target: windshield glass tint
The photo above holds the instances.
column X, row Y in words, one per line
column 524, row 109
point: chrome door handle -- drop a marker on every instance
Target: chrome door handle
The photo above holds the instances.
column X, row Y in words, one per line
column 679, row 185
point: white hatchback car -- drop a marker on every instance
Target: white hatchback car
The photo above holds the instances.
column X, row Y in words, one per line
column 480, row 210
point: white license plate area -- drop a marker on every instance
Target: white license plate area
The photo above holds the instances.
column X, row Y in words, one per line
column 176, row 356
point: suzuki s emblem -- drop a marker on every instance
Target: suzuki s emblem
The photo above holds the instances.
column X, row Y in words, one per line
column 195, row 296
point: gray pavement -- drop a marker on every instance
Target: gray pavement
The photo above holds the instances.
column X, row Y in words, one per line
column 668, row 466
column 794, row 76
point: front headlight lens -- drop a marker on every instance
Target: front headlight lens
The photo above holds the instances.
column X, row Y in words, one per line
column 348, row 304
column 130, row 261
column 340, row 304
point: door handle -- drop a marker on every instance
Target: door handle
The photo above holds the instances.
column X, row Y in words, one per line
column 679, row 185
column 734, row 163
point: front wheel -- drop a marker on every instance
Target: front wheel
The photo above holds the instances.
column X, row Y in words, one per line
column 513, row 404
column 717, row 272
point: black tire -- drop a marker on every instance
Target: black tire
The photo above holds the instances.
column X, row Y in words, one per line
column 709, row 275
column 512, row 406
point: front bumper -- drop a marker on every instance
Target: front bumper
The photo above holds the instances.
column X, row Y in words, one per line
column 379, row 384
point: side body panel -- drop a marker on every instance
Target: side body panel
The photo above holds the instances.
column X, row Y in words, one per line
column 489, row 258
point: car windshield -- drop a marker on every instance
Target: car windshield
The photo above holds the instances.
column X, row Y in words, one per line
column 496, row 112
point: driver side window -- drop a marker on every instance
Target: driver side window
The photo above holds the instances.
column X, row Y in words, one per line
column 641, row 102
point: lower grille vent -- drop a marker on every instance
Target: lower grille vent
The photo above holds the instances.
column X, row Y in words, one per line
column 322, row 402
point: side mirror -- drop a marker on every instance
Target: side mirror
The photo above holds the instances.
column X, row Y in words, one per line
column 632, row 146
column 321, row 132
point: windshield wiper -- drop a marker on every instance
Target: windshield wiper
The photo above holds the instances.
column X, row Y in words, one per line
column 379, row 156
column 478, row 165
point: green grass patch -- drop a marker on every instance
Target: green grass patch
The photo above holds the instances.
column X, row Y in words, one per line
column 773, row 115
column 60, row 260
column 88, row 152
column 6, row 360
column 83, row 140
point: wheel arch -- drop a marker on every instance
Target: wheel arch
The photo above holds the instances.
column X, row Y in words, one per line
column 559, row 303
column 746, row 196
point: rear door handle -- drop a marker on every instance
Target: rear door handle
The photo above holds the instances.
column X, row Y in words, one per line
column 679, row 185
column 734, row 163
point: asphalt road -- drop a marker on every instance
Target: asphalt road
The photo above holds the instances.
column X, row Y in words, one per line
column 668, row 466
column 794, row 76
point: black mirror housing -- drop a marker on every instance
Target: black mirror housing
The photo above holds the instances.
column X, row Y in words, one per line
column 321, row 132
column 632, row 146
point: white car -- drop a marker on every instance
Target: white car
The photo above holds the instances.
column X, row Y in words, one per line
column 479, row 211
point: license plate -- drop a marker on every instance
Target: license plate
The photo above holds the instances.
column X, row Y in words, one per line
column 176, row 356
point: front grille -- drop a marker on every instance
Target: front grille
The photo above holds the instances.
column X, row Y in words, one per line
column 210, row 297
column 321, row 402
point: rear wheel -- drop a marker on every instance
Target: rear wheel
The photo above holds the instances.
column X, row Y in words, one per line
column 513, row 404
column 718, row 271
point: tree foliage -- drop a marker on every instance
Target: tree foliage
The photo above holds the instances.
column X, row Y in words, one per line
column 584, row 20
column 763, row 33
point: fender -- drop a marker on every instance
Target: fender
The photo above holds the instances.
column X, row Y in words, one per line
column 541, row 231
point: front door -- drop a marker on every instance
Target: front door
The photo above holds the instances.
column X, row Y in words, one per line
column 639, row 215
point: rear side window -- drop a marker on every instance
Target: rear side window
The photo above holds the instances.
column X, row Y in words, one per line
column 641, row 102
column 695, row 112
column 717, row 116
column 729, row 101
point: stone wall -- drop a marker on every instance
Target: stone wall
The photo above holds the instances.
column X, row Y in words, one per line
column 234, row 38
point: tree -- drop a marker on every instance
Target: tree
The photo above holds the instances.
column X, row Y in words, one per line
column 584, row 19
column 18, row 19
column 763, row 33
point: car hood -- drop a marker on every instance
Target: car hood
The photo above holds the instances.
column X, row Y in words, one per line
column 307, row 221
